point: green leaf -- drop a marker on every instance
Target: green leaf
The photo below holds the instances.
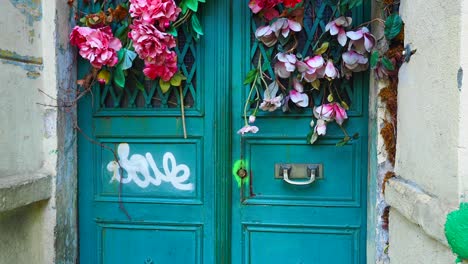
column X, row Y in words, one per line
column 119, row 77
column 172, row 31
column 354, row 3
column 139, row 85
column 177, row 79
column 196, row 25
column 192, row 5
column 122, row 30
column 250, row 76
column 127, row 59
column 165, row 86
column 393, row 26
column 387, row 63
column 374, row 59
column 323, row 48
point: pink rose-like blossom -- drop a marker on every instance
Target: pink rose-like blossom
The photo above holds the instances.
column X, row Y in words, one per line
column 337, row 27
column 362, row 40
column 331, row 111
column 286, row 65
column 149, row 42
column 165, row 66
column 248, row 129
column 150, row 11
column 99, row 46
column 258, row 5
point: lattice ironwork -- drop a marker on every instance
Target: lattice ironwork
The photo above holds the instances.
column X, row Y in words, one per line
column 146, row 94
column 317, row 13
column 150, row 95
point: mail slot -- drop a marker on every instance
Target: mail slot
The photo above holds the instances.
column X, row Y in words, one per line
column 298, row 170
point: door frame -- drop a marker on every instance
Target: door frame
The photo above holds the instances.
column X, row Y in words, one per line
column 223, row 80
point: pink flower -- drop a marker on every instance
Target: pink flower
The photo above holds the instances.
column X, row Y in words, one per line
column 271, row 102
column 266, row 35
column 284, row 26
column 258, row 5
column 165, row 66
column 291, row 3
column 337, row 27
column 297, row 96
column 149, row 42
column 321, row 127
column 99, row 46
column 331, row 111
column 312, row 68
column 248, row 129
column 150, row 11
column 252, row 119
column 361, row 40
column 286, row 65
column 353, row 62
column 300, row 99
column 331, row 71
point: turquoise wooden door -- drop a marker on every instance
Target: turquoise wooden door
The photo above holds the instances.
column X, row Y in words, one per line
column 177, row 201
column 278, row 222
column 157, row 204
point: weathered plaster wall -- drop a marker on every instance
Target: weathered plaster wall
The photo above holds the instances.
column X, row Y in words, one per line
column 34, row 55
column 431, row 160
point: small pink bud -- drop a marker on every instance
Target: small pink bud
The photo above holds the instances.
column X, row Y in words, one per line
column 252, row 119
column 166, row 24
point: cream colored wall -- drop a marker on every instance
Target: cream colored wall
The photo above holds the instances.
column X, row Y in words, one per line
column 28, row 134
column 432, row 132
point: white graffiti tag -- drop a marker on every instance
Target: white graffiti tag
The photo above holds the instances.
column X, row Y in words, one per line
column 140, row 165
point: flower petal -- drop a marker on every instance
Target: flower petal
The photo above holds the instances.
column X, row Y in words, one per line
column 354, row 35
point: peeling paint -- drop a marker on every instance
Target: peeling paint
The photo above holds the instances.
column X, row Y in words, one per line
column 32, row 9
column 33, row 74
column 460, row 78
column 33, row 65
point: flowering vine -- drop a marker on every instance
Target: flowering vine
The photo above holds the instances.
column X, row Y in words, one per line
column 135, row 41
column 340, row 51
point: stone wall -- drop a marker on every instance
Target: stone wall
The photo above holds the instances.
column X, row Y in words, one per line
column 431, row 160
column 37, row 164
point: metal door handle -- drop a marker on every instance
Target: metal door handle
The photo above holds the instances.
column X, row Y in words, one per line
column 309, row 181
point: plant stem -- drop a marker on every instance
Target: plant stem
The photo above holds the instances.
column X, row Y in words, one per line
column 182, row 110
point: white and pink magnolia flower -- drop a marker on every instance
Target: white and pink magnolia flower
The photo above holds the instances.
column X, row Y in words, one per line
column 331, row 71
column 311, row 68
column 286, row 65
column 297, row 95
column 252, row 119
column 362, row 40
column 266, row 35
column 353, row 62
column 321, row 127
column 248, row 129
column 271, row 102
column 284, row 26
column 337, row 27
column 99, row 46
column 150, row 11
column 331, row 111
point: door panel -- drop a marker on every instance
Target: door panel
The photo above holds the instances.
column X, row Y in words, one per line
column 277, row 222
column 162, row 208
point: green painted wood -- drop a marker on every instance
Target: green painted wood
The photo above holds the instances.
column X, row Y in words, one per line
column 273, row 221
column 167, row 225
column 266, row 221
